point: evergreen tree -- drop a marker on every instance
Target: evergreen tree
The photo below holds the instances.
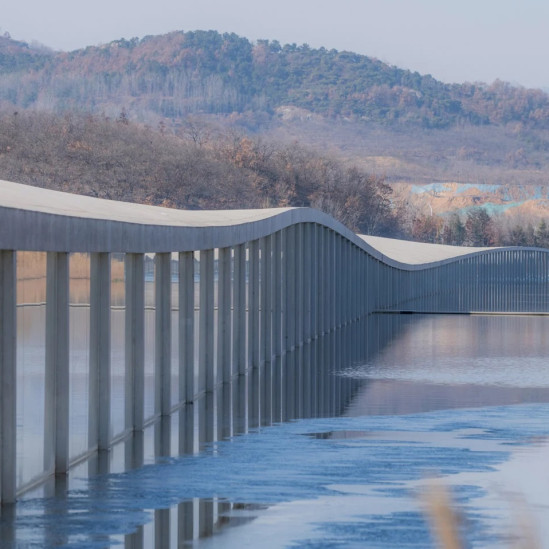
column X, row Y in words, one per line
column 517, row 236
column 541, row 235
column 479, row 228
column 454, row 231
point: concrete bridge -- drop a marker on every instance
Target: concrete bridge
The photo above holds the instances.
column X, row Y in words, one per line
column 234, row 293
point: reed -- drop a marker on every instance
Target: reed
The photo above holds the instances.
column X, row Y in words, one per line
column 445, row 520
column 443, row 517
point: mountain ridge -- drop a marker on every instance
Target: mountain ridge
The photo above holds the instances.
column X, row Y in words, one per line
column 206, row 72
column 255, row 101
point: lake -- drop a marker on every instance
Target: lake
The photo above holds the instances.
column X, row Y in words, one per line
column 463, row 399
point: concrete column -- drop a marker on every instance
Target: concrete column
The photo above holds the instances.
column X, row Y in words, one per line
column 339, row 304
column 277, row 284
column 205, row 518
column 307, row 279
column 284, row 320
column 329, row 314
column 368, row 281
column 163, row 333
column 289, row 364
column 339, row 289
column 200, row 405
column 267, row 291
column 307, row 288
column 56, row 416
column 224, row 363
column 354, row 291
column 322, row 295
column 253, row 304
column 323, row 303
column 374, row 296
column 542, row 287
column 135, row 341
column 254, row 333
column 332, row 288
column 334, row 314
column 185, row 522
column 284, row 274
column 8, row 376
column 186, row 327
column 239, row 309
column 99, row 419
column 270, row 279
column 187, row 429
column 135, row 540
column 240, row 404
column 362, row 282
column 161, row 528
column 300, row 293
column 342, row 267
column 225, row 415
column 315, row 297
column 258, row 379
column 347, row 267
column 357, row 287
column 278, row 281
column 262, row 302
column 291, row 287
column 206, row 366
column 163, row 437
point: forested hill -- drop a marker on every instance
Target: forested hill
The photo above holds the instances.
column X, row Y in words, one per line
column 16, row 56
column 180, row 73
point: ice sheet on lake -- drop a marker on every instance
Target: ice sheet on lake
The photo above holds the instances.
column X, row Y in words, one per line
column 356, row 490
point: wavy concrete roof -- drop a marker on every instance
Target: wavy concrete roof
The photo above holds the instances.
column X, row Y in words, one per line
column 33, row 218
column 37, row 199
column 417, row 253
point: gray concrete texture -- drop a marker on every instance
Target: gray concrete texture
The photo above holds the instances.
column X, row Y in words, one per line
column 32, row 218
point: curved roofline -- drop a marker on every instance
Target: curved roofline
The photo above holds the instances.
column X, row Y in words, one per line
column 33, row 218
column 419, row 253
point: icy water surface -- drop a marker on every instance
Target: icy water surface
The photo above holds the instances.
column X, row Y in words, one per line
column 460, row 398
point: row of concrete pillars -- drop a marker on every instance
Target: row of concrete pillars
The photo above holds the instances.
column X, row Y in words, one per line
column 257, row 301
column 266, row 298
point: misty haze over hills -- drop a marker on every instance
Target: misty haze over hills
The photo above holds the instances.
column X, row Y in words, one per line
column 409, row 128
column 180, row 73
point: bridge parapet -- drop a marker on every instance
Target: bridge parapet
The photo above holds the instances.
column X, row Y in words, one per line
column 205, row 297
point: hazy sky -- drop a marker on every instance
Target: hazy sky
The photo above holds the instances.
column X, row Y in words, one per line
column 455, row 41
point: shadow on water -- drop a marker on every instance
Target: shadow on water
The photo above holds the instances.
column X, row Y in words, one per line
column 379, row 367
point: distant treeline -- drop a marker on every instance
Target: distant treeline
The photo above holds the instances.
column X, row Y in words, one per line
column 478, row 228
column 198, row 169
column 182, row 73
column 203, row 167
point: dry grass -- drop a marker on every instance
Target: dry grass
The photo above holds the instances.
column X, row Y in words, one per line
column 31, row 278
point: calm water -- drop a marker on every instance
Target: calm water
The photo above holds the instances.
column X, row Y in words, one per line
column 461, row 398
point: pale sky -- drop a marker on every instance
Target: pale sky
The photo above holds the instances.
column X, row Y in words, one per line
column 457, row 41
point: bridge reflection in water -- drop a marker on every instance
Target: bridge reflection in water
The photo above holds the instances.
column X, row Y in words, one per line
column 245, row 404
column 405, row 365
